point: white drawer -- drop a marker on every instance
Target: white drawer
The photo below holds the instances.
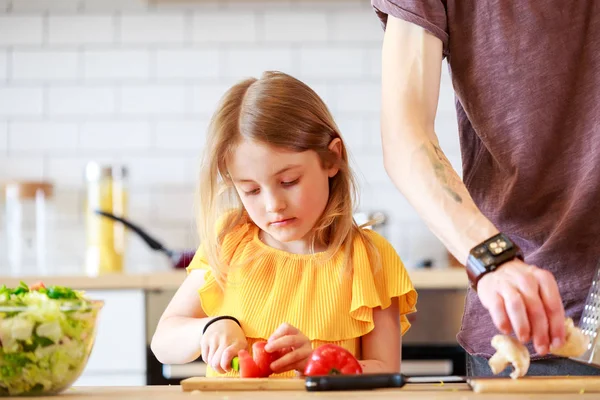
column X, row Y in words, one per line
column 120, row 341
column 106, row 379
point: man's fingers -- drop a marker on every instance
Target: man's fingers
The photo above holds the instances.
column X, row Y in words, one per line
column 496, row 308
column 538, row 321
column 517, row 312
column 553, row 306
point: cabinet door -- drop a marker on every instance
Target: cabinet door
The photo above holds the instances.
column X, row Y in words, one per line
column 121, row 339
column 107, row 379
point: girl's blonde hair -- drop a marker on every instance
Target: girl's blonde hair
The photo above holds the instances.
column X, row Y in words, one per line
column 283, row 112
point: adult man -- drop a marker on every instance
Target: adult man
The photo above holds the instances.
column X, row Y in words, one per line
column 527, row 80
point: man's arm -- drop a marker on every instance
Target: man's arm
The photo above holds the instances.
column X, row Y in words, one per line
column 412, row 60
column 519, row 297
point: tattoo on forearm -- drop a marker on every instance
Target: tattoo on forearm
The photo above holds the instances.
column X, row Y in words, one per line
column 443, row 169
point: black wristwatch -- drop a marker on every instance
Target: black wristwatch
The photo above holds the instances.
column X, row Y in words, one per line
column 489, row 255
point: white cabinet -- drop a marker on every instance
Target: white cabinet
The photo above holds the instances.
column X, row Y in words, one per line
column 120, row 379
column 119, row 354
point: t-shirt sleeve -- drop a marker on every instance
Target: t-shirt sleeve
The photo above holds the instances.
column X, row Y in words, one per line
column 428, row 14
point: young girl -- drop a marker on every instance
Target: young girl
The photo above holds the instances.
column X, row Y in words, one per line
column 281, row 258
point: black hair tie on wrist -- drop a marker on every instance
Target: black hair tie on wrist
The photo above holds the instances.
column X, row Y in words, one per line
column 218, row 319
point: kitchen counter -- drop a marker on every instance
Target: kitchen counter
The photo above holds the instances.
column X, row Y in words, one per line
column 410, row 392
column 447, row 278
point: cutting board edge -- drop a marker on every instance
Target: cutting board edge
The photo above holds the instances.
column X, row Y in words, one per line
column 241, row 384
column 537, row 384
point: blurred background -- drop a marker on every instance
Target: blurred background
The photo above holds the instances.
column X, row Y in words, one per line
column 133, row 83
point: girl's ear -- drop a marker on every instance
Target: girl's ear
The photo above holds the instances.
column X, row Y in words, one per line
column 336, row 148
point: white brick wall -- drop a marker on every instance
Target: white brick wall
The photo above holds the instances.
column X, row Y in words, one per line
column 21, row 30
column 135, row 82
column 3, row 66
column 44, row 65
column 225, row 27
column 102, row 136
column 305, row 27
column 16, row 101
column 42, row 137
column 3, row 137
column 187, row 63
column 116, row 64
column 81, row 29
column 78, row 101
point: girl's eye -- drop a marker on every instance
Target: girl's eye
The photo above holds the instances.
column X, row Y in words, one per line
column 290, row 183
column 251, row 192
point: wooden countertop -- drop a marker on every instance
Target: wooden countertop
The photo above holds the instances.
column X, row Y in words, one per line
column 409, row 392
column 447, row 278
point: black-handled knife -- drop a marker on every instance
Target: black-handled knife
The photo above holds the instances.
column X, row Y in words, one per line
column 353, row 382
column 372, row 381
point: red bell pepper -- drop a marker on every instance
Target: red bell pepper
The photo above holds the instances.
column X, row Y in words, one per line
column 330, row 359
column 263, row 358
column 257, row 366
column 247, row 366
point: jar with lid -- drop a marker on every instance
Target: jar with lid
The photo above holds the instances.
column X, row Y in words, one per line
column 27, row 210
column 106, row 238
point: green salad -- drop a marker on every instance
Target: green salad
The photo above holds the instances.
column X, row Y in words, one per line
column 46, row 335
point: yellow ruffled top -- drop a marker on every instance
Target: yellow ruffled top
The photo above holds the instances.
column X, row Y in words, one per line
column 266, row 287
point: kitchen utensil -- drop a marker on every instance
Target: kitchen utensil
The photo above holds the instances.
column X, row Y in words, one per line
column 590, row 322
column 179, row 258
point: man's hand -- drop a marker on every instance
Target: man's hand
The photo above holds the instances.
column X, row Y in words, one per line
column 525, row 299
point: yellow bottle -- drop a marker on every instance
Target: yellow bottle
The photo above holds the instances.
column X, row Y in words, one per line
column 106, row 239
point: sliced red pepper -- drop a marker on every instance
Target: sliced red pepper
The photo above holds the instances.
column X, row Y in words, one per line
column 248, row 368
column 263, row 358
column 330, row 359
column 257, row 366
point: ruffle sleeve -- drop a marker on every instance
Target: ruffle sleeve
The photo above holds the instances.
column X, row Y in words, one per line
column 376, row 284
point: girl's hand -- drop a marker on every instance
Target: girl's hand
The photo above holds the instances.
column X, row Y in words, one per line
column 220, row 343
column 293, row 344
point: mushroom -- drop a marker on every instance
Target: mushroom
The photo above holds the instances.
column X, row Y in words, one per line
column 576, row 342
column 509, row 350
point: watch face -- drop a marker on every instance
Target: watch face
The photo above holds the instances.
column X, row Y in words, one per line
column 499, row 246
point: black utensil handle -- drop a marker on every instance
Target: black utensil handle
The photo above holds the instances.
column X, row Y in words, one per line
column 153, row 243
column 353, row 382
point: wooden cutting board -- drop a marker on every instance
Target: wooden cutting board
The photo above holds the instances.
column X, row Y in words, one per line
column 537, row 384
column 533, row 384
column 235, row 384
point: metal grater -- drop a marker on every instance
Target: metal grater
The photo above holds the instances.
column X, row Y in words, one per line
column 590, row 322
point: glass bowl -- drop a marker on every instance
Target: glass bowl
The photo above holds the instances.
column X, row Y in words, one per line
column 45, row 347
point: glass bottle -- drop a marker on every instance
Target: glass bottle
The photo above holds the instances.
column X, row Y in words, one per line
column 106, row 238
column 27, row 206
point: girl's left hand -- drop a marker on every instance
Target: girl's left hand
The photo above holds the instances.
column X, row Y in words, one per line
column 295, row 346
